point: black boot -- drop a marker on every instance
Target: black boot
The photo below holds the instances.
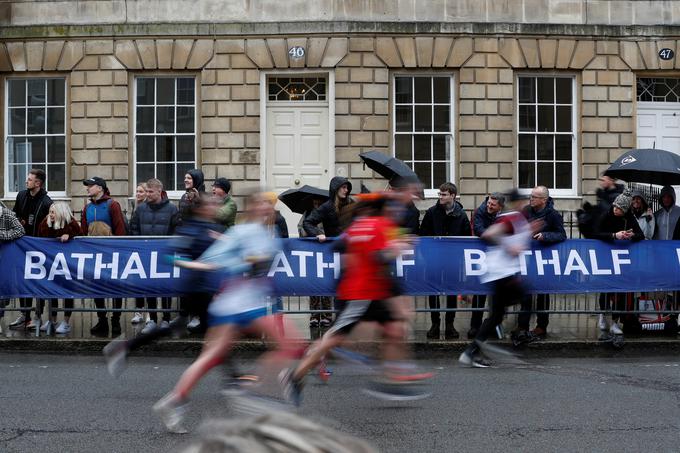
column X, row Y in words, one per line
column 433, row 333
column 450, row 332
column 101, row 328
column 115, row 327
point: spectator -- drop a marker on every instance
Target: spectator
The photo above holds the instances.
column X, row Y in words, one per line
column 31, row 207
column 445, row 218
column 328, row 214
column 411, row 189
column 484, row 217
column 607, row 192
column 540, row 209
column 666, row 217
column 102, row 216
column 226, row 214
column 10, row 230
column 155, row 217
column 140, row 197
column 193, row 186
column 618, row 223
column 61, row 225
column 643, row 213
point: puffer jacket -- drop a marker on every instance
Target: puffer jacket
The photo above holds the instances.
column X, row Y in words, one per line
column 326, row 213
column 553, row 224
column 437, row 222
column 155, row 219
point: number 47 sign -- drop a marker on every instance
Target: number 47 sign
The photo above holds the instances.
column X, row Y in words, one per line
column 666, row 54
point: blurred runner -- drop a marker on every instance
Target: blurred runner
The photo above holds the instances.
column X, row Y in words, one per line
column 371, row 243
column 244, row 253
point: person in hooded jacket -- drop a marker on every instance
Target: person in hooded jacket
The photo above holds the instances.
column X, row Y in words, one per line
column 328, row 213
column 643, row 213
column 540, row 208
column 445, row 218
column 666, row 217
column 155, row 217
column 618, row 224
column 193, row 185
column 31, row 207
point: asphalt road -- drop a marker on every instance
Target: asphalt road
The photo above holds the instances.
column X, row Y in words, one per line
column 70, row 404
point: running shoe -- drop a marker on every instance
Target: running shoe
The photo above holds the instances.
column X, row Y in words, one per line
column 540, row 333
column 602, row 322
column 63, row 328
column 171, row 412
column 33, row 322
column 138, row 318
column 238, row 385
column 473, row 360
column 115, row 354
column 614, row 329
column 165, row 324
column 325, row 322
column 46, row 325
column 194, row 323
column 389, row 390
column 292, row 389
column 149, row 327
column 324, row 372
column 18, row 323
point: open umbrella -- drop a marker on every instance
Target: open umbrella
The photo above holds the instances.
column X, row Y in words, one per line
column 651, row 166
column 386, row 166
column 302, row 200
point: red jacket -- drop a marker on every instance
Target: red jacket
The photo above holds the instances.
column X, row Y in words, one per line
column 45, row 231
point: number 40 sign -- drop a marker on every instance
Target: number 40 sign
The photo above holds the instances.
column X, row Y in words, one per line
column 296, row 52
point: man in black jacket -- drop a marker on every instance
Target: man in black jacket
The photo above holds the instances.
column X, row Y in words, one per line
column 540, row 208
column 446, row 218
column 31, row 207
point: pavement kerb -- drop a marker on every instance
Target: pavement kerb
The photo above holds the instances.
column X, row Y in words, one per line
column 429, row 349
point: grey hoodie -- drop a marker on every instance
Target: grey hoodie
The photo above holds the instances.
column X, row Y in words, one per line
column 666, row 219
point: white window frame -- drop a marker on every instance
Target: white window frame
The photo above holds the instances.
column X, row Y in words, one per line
column 60, row 194
column 433, row 192
column 172, row 194
column 555, row 193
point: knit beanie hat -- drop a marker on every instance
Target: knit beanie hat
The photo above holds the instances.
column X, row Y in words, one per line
column 223, row 183
column 623, row 201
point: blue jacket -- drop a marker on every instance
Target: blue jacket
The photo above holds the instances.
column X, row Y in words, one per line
column 553, row 225
column 482, row 219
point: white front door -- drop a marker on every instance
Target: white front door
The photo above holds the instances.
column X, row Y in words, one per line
column 658, row 125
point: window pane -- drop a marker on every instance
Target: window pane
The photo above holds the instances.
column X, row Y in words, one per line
column 546, row 90
column 440, row 172
column 441, row 118
column 185, row 149
column 404, row 118
column 56, row 149
column 527, row 89
column 17, row 92
column 145, row 172
column 526, row 175
column 185, row 91
column 56, row 178
column 440, row 147
column 403, row 90
column 165, row 91
column 166, row 173
column 182, row 170
column 527, row 118
column 563, row 171
column 564, row 119
column 165, row 148
column 17, row 122
column 423, row 89
column 36, row 121
column 17, row 150
column 185, row 119
column 145, row 91
column 546, row 118
column 36, row 146
column 55, row 92
column 544, row 148
column 55, row 120
column 17, row 177
column 441, row 86
column 423, row 120
column 402, row 146
column 145, row 119
column 526, row 145
column 36, row 92
column 563, row 90
column 424, row 172
column 165, row 119
column 563, row 147
column 145, row 149
column 422, row 147
column 545, row 174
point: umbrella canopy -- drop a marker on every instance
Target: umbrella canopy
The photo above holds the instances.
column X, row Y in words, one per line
column 386, row 166
column 651, row 166
column 302, row 200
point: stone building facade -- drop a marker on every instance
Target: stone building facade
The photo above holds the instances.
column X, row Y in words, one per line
column 488, row 94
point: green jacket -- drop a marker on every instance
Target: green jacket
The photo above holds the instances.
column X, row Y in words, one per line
column 226, row 214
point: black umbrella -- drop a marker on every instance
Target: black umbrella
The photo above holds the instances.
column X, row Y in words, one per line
column 386, row 166
column 302, row 200
column 652, row 166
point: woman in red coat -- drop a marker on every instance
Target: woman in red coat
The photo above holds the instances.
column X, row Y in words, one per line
column 61, row 225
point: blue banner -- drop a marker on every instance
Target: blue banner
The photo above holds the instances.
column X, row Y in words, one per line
column 96, row 267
